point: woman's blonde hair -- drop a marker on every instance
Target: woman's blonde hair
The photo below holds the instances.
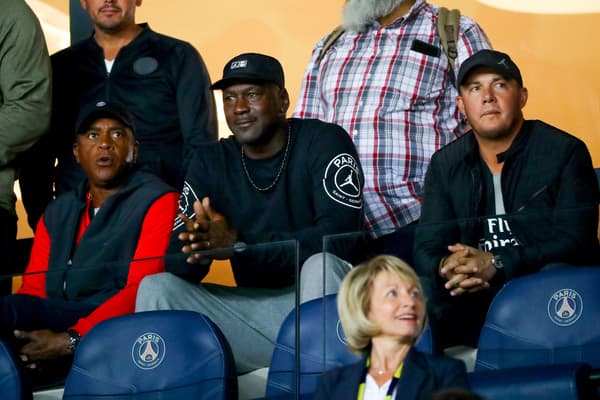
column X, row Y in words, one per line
column 354, row 297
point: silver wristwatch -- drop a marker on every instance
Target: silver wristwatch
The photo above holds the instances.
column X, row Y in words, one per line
column 239, row 247
column 497, row 262
column 74, row 339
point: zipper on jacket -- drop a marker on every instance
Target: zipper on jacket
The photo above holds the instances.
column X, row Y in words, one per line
column 533, row 196
column 476, row 201
column 107, row 83
column 64, row 285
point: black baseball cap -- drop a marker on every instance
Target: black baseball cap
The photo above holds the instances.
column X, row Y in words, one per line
column 251, row 67
column 102, row 109
column 498, row 61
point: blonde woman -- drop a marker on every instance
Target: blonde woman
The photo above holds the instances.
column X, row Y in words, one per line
column 382, row 310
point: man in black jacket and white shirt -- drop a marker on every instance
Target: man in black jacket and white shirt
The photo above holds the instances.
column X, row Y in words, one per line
column 161, row 80
column 509, row 198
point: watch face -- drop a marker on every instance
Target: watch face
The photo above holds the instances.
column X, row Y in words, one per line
column 497, row 262
column 239, row 247
column 74, row 339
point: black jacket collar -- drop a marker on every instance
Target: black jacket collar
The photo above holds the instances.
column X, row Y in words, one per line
column 516, row 146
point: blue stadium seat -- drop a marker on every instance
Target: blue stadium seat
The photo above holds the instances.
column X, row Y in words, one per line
column 552, row 382
column 322, row 348
column 536, row 327
column 10, row 379
column 156, row 355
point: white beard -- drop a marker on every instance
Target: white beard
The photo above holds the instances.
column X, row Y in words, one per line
column 358, row 15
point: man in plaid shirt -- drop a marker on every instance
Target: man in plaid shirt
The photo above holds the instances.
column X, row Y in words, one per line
column 388, row 83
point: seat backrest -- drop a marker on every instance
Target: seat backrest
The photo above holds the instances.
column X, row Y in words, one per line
column 547, row 318
column 10, row 378
column 322, row 347
column 153, row 355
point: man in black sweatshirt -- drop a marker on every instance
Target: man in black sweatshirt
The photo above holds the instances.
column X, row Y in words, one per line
column 276, row 180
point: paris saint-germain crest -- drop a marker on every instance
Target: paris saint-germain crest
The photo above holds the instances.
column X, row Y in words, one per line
column 565, row 307
column 148, row 351
column 343, row 181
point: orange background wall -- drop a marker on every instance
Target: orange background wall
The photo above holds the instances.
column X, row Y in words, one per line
column 558, row 55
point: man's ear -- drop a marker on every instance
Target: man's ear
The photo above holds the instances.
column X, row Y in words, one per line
column 76, row 152
column 524, row 95
column 461, row 106
column 285, row 101
column 84, row 4
column 134, row 153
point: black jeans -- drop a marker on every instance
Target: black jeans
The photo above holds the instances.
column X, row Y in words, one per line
column 455, row 320
column 8, row 235
column 29, row 313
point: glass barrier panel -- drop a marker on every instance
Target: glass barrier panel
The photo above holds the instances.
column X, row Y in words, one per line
column 249, row 310
column 530, row 240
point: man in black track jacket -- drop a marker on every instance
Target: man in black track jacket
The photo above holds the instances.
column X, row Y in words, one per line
column 161, row 80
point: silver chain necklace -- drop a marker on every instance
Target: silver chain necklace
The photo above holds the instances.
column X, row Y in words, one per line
column 287, row 148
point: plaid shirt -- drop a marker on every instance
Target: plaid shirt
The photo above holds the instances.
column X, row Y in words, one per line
column 398, row 105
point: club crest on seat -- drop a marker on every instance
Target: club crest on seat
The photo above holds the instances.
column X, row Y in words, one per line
column 148, row 351
column 565, row 307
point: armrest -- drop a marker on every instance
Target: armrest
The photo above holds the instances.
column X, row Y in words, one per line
column 560, row 382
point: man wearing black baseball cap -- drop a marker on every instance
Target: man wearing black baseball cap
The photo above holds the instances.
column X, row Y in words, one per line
column 496, row 60
column 511, row 197
column 275, row 179
column 251, row 67
column 83, row 266
column 103, row 109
